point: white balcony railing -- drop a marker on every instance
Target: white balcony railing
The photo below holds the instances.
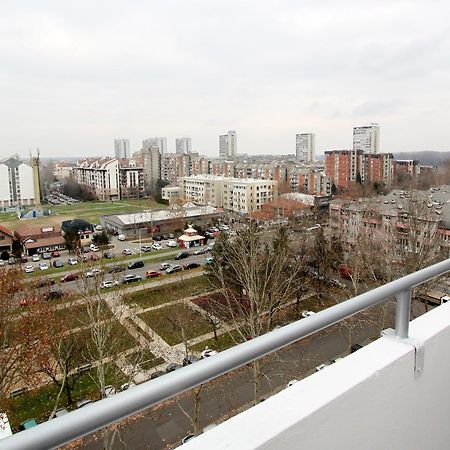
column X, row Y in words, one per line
column 81, row 422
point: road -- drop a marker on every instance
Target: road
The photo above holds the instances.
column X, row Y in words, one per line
column 165, row 425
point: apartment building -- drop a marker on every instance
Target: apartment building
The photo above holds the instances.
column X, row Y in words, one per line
column 409, row 167
column 151, row 161
column 305, row 146
column 111, row 178
column 234, row 194
column 367, row 138
column 228, row 145
column 265, row 171
column 19, row 183
column 155, row 142
column 221, row 167
column 174, row 166
column 343, row 167
column 378, row 168
column 183, row 145
column 198, row 164
column 122, row 148
column 309, row 181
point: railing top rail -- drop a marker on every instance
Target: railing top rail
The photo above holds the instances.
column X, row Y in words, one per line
column 83, row 421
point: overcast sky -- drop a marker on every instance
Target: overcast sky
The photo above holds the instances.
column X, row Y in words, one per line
column 75, row 76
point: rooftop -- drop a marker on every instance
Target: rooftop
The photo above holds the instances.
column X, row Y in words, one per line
column 227, row 179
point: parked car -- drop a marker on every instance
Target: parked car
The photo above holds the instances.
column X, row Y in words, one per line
column 83, row 403
column 146, row 248
column 108, row 255
column 171, row 236
column 201, row 251
column 54, row 294
column 11, row 260
column 208, row 352
column 72, row 261
column 46, row 282
column 164, row 266
column 121, row 237
column 172, row 367
column 69, row 277
column 173, row 269
column 56, row 254
column 43, row 266
column 30, row 423
column 29, row 269
column 156, row 246
column 153, row 274
column 126, row 386
column 156, row 374
column 157, row 237
column 46, row 255
column 2, row 263
column 110, row 390
column 135, row 265
column 35, row 258
column 109, row 284
column 182, row 255
column 291, row 383
column 224, row 227
column 171, row 244
column 192, row 265
column 209, row 260
column 116, row 269
column 131, row 278
column 127, row 252
column 190, row 359
column 93, row 272
column 57, row 263
column 187, row 438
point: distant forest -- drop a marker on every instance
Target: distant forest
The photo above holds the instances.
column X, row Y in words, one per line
column 426, row 158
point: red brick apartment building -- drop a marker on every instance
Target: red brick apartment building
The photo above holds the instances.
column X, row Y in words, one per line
column 343, row 166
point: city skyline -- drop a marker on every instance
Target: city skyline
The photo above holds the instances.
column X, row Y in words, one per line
column 65, row 89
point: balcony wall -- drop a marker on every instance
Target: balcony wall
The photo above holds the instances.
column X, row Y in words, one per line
column 369, row 400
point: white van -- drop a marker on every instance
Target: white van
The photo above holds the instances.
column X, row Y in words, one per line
column 122, row 237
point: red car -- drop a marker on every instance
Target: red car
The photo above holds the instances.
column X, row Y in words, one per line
column 69, row 277
column 345, row 272
column 153, row 274
column 56, row 254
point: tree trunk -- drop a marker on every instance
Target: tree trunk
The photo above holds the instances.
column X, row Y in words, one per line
column 256, row 381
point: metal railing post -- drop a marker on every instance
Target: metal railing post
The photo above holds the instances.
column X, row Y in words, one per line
column 402, row 313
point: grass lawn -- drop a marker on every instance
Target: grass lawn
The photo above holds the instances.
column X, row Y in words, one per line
column 90, row 211
column 147, row 360
column 223, row 342
column 170, row 292
column 38, row 404
column 170, row 321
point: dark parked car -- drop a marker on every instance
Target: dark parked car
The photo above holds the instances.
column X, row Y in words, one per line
column 54, row 294
column 156, row 374
column 108, row 255
column 131, row 278
column 165, row 237
column 182, row 255
column 173, row 367
column 46, row 255
column 57, row 263
column 116, row 269
column 135, row 265
column 69, row 277
column 190, row 359
column 157, row 238
column 191, row 266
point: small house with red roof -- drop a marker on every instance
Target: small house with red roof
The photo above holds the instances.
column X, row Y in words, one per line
column 6, row 239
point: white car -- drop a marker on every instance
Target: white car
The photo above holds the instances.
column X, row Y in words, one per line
column 208, row 353
column 43, row 266
column 94, row 248
column 72, row 261
column 127, row 252
column 156, row 246
column 93, row 272
column 164, row 266
column 224, row 227
column 171, row 244
column 122, row 237
column 201, row 251
column 109, row 284
column 307, row 313
column 29, row 269
column 35, row 258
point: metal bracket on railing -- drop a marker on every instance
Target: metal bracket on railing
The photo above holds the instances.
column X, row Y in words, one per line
column 419, row 349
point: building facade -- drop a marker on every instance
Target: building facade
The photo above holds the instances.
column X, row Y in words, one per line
column 6, row 239
column 183, row 145
column 305, row 147
column 17, row 183
column 234, row 194
column 122, row 148
column 343, row 167
column 174, row 166
column 228, row 145
column 366, row 139
column 39, row 239
column 159, row 142
column 151, row 161
column 409, row 167
column 378, row 168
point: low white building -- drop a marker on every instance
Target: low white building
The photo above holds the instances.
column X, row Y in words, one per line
column 170, row 193
column 235, row 194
